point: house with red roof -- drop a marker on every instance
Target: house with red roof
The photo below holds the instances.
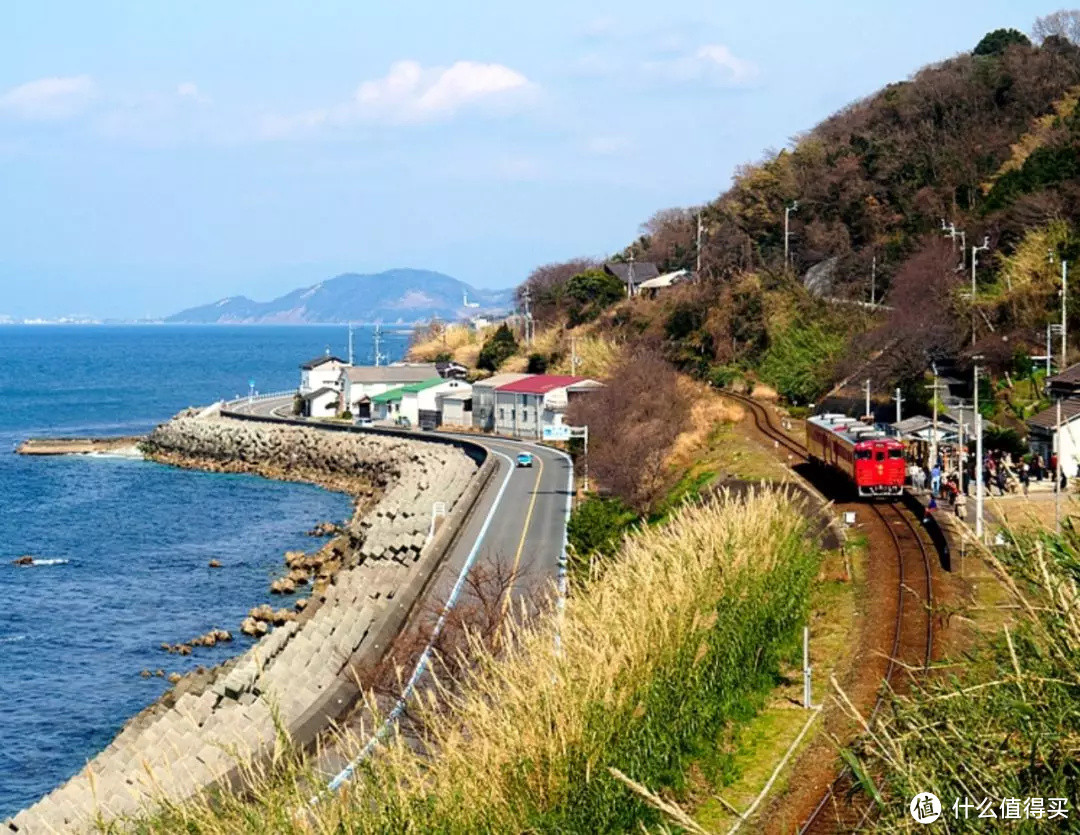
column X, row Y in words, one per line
column 523, row 407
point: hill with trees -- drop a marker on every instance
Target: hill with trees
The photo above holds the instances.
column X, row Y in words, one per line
column 885, row 200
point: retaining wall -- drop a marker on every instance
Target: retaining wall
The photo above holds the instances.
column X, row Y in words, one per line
column 301, row 669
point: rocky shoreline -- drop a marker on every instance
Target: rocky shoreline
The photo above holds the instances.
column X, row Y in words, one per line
column 303, row 666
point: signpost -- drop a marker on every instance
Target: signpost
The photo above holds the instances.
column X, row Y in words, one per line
column 556, row 433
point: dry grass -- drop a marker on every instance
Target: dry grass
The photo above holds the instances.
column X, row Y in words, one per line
column 692, row 607
column 709, row 411
column 462, row 342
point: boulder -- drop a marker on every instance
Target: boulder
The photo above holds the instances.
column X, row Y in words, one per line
column 301, row 604
column 214, row 564
column 298, row 577
column 145, row 674
column 263, row 612
column 223, row 635
column 159, row 673
column 283, row 586
column 184, row 649
column 254, row 628
column 174, row 678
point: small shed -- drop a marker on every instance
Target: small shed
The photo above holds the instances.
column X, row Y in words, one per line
column 322, row 402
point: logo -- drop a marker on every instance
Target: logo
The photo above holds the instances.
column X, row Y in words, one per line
column 925, row 807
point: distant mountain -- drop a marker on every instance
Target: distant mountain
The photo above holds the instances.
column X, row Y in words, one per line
column 401, row 296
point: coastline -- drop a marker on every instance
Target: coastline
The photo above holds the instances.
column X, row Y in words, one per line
column 358, row 588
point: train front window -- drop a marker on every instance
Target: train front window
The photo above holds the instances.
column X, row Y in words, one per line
column 896, row 453
column 862, row 455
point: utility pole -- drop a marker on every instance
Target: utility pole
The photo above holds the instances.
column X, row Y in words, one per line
column 1064, row 324
column 574, row 358
column 1057, row 468
column 975, row 250
column 978, row 460
column 898, row 400
column 963, row 451
column 526, row 297
column 933, row 417
column 867, row 412
column 700, row 233
column 873, row 279
column 377, row 338
column 350, row 344
column 630, row 278
column 794, row 207
column 1048, row 348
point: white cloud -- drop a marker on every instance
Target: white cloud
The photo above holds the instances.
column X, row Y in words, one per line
column 189, row 90
column 711, row 64
column 411, row 94
column 49, row 98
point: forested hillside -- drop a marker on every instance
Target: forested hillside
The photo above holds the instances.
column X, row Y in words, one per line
column 893, row 191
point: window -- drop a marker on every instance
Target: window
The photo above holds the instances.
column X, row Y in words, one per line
column 502, row 414
column 896, row 453
column 862, row 455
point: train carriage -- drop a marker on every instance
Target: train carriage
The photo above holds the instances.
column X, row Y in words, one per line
column 871, row 460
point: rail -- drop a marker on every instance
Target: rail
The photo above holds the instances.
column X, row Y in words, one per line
column 844, row 782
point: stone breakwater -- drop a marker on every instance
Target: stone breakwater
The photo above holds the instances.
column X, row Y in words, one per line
column 213, row 721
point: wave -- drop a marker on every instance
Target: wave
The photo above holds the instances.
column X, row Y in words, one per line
column 45, row 562
column 11, row 639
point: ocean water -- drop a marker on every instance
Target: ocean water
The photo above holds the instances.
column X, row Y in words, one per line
column 128, row 541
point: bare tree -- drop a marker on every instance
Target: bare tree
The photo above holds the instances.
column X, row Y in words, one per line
column 633, row 423
column 1064, row 23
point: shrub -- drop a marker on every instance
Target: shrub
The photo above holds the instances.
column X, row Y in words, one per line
column 346, row 415
column 591, row 292
column 538, row 364
column 497, row 348
column 800, row 361
column 996, row 42
column 297, row 404
column 596, row 529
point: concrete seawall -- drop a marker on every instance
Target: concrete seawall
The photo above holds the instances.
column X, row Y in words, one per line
column 300, row 670
column 77, row 446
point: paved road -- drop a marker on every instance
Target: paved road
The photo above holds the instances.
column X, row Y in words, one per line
column 527, row 524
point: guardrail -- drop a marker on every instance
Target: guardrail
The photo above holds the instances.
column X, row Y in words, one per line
column 255, row 398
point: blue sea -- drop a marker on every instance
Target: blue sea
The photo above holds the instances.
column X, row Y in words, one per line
column 130, row 540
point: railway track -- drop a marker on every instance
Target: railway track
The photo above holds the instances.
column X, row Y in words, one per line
column 913, row 646
column 913, row 630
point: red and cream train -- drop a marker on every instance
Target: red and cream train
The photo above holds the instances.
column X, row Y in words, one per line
column 871, row 460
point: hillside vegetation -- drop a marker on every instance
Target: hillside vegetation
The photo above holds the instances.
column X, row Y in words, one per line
column 985, row 143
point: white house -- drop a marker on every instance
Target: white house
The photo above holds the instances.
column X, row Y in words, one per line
column 1047, row 436
column 524, row 407
column 359, row 383
column 322, row 402
column 455, row 408
column 417, row 402
column 321, row 372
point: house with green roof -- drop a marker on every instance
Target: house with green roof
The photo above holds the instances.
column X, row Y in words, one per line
column 419, row 403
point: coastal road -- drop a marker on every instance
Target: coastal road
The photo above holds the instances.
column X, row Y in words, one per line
column 525, row 522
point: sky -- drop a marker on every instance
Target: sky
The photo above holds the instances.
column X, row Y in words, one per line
column 158, row 155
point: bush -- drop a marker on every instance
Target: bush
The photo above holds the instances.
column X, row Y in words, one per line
column 596, row 529
column 996, row 42
column 722, row 376
column 346, row 415
column 297, row 405
column 497, row 348
column 538, row 364
column 591, row 292
column 800, row 361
